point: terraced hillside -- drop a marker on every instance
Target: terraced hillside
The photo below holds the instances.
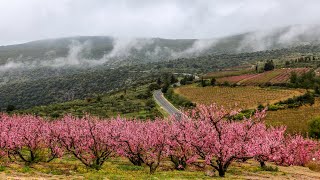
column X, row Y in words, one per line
column 278, row 76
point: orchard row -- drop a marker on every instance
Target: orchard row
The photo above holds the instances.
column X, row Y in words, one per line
column 205, row 136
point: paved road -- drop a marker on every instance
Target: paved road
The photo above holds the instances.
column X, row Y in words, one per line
column 165, row 104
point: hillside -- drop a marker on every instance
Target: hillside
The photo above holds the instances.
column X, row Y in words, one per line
column 59, row 70
column 27, row 87
column 123, row 51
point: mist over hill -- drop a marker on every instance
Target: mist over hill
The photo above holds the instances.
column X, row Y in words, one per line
column 97, row 50
column 58, row 70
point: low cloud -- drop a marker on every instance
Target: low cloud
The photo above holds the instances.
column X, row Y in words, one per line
column 280, row 38
column 198, row 47
column 123, row 48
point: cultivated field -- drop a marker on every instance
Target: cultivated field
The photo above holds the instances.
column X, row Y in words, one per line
column 227, row 73
column 240, row 97
column 295, row 119
column 278, row 76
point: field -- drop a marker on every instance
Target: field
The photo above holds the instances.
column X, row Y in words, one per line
column 118, row 168
column 295, row 119
column 278, row 76
column 240, row 97
column 227, row 73
column 236, row 79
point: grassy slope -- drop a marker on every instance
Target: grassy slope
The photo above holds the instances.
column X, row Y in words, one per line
column 122, row 103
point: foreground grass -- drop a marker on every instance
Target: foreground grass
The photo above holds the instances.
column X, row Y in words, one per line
column 245, row 97
column 120, row 168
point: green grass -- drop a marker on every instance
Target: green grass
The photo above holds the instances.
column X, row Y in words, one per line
column 25, row 169
column 2, row 168
column 121, row 168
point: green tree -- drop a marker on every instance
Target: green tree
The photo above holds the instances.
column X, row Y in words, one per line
column 203, row 82
column 213, row 82
column 269, row 65
column 173, row 79
column 10, row 108
column 293, row 77
column 153, row 86
column 165, row 87
column 159, row 82
column 317, row 90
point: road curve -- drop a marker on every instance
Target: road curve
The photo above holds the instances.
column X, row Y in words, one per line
column 165, row 104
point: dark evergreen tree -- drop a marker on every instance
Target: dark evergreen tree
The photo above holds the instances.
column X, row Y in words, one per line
column 10, row 108
column 213, row 82
column 159, row 81
column 269, row 65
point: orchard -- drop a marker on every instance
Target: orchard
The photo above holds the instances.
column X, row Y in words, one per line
column 205, row 136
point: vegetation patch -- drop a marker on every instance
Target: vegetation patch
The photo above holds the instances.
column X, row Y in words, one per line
column 178, row 100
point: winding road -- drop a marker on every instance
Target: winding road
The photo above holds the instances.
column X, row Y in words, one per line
column 165, row 104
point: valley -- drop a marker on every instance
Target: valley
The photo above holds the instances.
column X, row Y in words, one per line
column 95, row 107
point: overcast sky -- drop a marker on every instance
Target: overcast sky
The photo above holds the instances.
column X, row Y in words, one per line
column 27, row 20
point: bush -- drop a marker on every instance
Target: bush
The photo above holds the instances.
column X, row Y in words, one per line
column 226, row 83
column 179, row 100
column 314, row 127
column 275, row 107
column 243, row 114
column 307, row 98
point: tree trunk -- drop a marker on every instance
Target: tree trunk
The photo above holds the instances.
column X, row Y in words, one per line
column 262, row 164
column 221, row 169
column 179, row 164
column 152, row 169
column 137, row 161
column 222, row 172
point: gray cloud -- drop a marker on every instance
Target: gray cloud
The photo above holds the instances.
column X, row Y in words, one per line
column 280, row 38
column 23, row 21
column 123, row 48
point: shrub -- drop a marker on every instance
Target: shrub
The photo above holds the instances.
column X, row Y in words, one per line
column 275, row 107
column 243, row 114
column 314, row 127
column 307, row 98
